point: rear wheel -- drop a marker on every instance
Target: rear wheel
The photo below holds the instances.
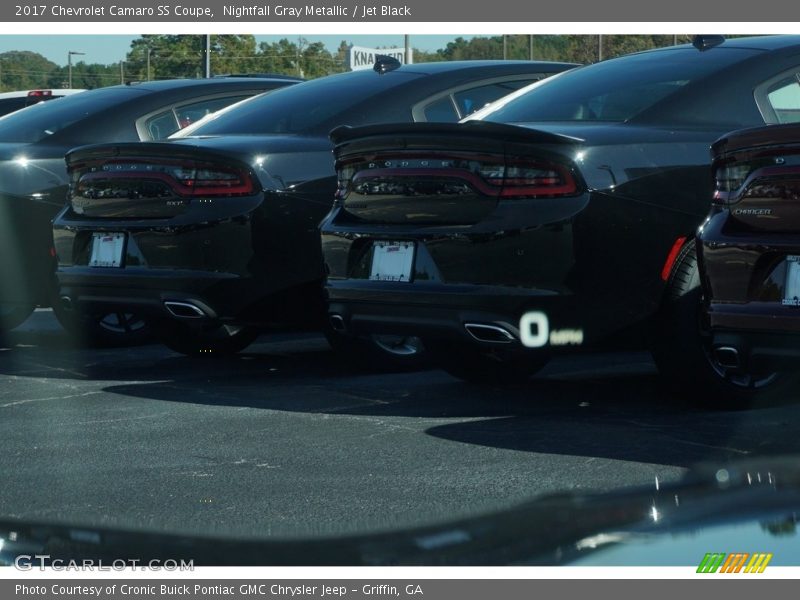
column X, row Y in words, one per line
column 118, row 328
column 380, row 352
column 13, row 315
column 212, row 340
column 482, row 365
column 683, row 351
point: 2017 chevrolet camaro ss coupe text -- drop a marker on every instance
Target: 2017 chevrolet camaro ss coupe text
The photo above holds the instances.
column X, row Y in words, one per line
column 33, row 176
column 214, row 235
column 557, row 218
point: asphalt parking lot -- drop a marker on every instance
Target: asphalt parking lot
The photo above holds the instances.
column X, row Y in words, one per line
column 288, row 440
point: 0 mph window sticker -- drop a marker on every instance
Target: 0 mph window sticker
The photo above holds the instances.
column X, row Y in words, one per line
column 534, row 332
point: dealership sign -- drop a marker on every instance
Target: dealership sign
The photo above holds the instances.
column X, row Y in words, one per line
column 364, row 58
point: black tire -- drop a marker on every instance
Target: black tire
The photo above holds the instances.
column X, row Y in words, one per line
column 391, row 354
column 13, row 315
column 209, row 341
column 682, row 350
column 106, row 329
column 484, row 366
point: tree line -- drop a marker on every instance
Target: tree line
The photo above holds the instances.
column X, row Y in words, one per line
column 170, row 56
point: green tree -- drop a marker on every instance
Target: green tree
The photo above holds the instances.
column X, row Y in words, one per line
column 171, row 56
column 22, row 70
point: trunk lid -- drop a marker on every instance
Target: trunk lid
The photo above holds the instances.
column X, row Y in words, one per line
column 757, row 173
column 454, row 174
column 151, row 180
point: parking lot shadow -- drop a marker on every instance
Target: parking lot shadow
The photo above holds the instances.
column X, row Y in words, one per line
column 627, row 417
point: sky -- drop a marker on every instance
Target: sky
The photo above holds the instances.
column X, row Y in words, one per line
column 108, row 49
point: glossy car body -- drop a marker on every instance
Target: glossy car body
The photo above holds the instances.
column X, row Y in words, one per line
column 33, row 176
column 749, row 248
column 249, row 254
column 569, row 201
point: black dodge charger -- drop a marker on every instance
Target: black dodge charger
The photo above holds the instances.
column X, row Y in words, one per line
column 554, row 220
column 214, row 236
column 33, row 177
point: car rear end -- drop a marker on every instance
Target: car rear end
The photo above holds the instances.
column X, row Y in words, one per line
column 462, row 233
column 749, row 249
column 162, row 229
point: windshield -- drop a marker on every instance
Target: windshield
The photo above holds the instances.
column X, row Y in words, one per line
column 298, row 108
column 43, row 120
column 616, row 90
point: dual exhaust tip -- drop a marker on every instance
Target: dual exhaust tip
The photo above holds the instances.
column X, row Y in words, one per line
column 728, row 357
column 493, row 334
column 184, row 310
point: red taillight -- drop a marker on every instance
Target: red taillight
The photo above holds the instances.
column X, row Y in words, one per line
column 39, row 93
column 186, row 178
column 218, row 181
column 530, row 180
column 672, row 257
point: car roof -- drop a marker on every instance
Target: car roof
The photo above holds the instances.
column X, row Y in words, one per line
column 431, row 68
column 172, row 84
column 764, row 43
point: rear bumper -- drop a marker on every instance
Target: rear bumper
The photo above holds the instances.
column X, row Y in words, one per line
column 745, row 276
column 489, row 316
column 147, row 291
column 762, row 348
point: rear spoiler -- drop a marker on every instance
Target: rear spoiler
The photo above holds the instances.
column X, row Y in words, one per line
column 159, row 149
column 769, row 135
column 499, row 131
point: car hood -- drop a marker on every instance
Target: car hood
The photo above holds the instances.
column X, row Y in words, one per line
column 740, row 507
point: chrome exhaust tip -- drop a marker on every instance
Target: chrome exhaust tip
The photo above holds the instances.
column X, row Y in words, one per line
column 337, row 323
column 727, row 357
column 493, row 334
column 184, row 310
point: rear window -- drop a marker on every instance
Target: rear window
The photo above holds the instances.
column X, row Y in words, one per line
column 311, row 106
column 12, row 104
column 784, row 98
column 615, row 90
column 44, row 119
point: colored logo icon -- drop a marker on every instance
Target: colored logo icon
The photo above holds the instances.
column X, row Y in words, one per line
column 738, row 562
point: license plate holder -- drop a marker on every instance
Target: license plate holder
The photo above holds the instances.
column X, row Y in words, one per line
column 392, row 261
column 108, row 250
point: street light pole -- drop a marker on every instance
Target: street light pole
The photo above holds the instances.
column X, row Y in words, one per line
column 70, row 54
column 149, row 50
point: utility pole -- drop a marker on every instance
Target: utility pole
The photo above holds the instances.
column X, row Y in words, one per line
column 70, row 54
column 530, row 47
column 149, row 50
column 599, row 47
column 409, row 50
column 505, row 47
column 122, row 72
